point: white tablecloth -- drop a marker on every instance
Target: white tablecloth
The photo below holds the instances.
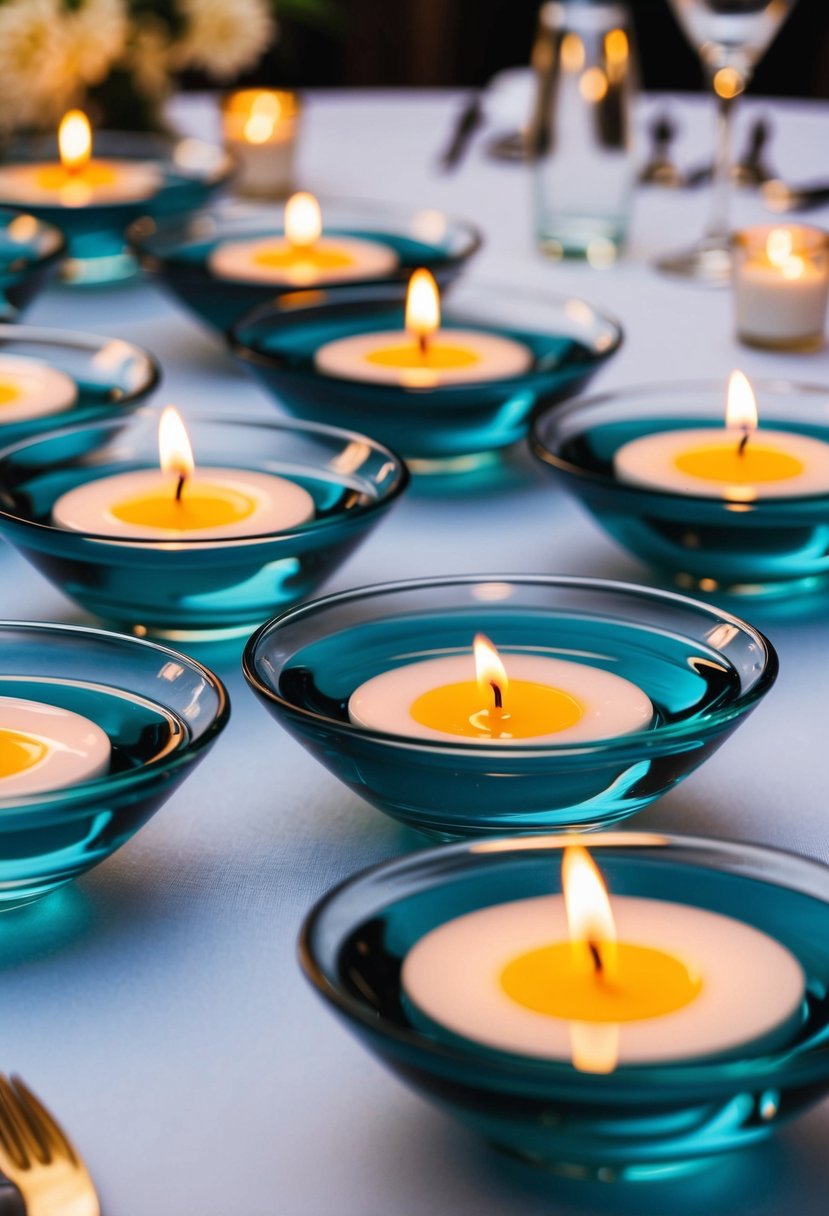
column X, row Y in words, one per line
column 156, row 1004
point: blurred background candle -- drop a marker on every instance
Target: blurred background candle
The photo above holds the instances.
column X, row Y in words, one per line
column 303, row 257
column 424, row 356
column 580, row 978
column 738, row 462
column 781, row 283
column 30, row 388
column 78, row 179
column 175, row 502
column 260, row 129
column 538, row 700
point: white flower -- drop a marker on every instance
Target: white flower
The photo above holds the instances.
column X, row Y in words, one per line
column 96, row 35
column 32, row 58
column 150, row 56
column 224, row 37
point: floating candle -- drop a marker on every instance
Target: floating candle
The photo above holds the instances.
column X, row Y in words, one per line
column 423, row 356
column 542, row 700
column 78, row 180
column 303, row 257
column 569, row 978
column 30, row 388
column 781, row 284
column 739, row 462
column 44, row 747
column 176, row 503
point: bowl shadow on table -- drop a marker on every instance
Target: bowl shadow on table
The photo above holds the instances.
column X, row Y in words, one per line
column 501, row 472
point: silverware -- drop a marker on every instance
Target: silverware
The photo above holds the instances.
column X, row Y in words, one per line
column 37, row 1156
column 752, row 168
column 780, row 197
column 466, row 124
column 660, row 169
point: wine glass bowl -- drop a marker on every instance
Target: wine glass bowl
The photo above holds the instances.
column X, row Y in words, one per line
column 730, row 37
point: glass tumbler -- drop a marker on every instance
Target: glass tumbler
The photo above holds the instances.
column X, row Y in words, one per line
column 581, row 130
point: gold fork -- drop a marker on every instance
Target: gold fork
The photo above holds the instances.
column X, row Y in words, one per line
column 37, row 1156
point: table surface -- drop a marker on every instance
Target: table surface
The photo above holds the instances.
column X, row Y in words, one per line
column 157, row 1005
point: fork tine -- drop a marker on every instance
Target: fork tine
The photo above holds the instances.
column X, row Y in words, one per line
column 11, row 1145
column 42, row 1122
column 27, row 1139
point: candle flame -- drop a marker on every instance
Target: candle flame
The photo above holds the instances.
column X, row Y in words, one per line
column 589, row 915
column 422, row 306
column 74, row 141
column 303, row 220
column 265, row 113
column 780, row 252
column 741, row 407
column 489, row 670
column 174, row 451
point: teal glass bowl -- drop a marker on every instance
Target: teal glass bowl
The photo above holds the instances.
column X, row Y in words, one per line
column 774, row 547
column 702, row 669
column 177, row 253
column 30, row 253
column 190, row 173
column 639, row 1121
column 196, row 590
column 112, row 378
column 435, row 429
column 162, row 712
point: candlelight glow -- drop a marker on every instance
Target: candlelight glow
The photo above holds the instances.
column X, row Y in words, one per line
column 741, row 407
column 617, row 50
column 489, row 670
column 265, row 113
column 572, row 53
column 594, row 1046
column 589, row 915
column 303, row 220
column 422, row 305
column 593, row 85
column 174, row 451
column 728, row 83
column 74, row 141
column 779, row 247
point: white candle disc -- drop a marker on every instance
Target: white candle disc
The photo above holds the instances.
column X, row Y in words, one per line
column 611, row 705
column 30, row 388
column 66, row 747
column 106, row 182
column 751, row 986
column 492, row 357
column 247, row 261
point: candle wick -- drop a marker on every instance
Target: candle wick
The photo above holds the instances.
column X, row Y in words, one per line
column 423, row 344
column 182, row 477
column 496, row 692
column 596, row 955
column 741, row 446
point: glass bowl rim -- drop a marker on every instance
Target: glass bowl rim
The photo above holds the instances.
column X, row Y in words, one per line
column 657, row 1074
column 555, row 414
column 403, row 477
column 374, row 209
column 40, row 259
column 78, row 340
column 363, row 292
column 67, row 798
column 658, row 740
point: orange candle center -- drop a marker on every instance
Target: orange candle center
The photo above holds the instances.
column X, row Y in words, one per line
column 723, row 462
column 647, row 983
column 19, row 752
column 532, row 710
column 437, row 356
column 203, row 504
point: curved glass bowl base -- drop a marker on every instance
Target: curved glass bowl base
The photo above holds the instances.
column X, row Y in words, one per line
column 701, row 669
column 772, row 547
column 637, row 1122
column 437, row 466
column 160, row 711
column 95, row 270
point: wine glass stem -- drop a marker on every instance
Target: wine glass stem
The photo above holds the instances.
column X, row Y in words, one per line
column 718, row 219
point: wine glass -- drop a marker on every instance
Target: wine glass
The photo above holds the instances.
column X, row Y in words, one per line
column 730, row 36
